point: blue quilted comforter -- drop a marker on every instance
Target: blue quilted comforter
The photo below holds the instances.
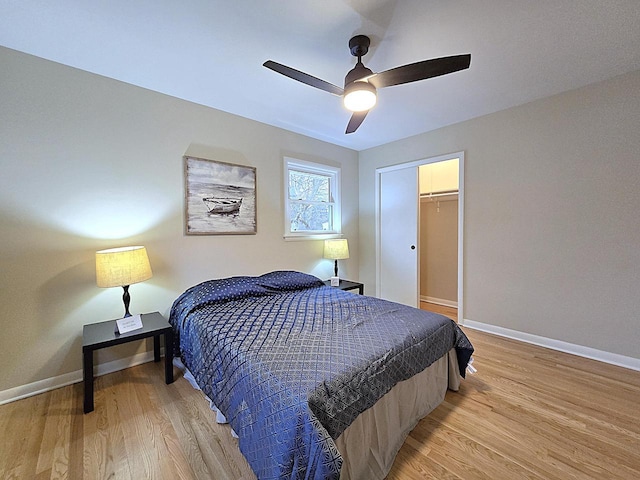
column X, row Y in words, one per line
column 291, row 362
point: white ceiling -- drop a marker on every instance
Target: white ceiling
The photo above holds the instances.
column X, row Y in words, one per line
column 211, row 52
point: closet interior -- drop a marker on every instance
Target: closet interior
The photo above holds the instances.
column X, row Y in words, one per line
column 438, row 232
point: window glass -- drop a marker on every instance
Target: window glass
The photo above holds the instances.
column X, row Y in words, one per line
column 308, row 186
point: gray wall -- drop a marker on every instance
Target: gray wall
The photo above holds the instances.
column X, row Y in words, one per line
column 89, row 163
column 551, row 222
column 551, row 202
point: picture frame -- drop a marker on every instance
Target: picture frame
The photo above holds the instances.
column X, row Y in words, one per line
column 220, row 198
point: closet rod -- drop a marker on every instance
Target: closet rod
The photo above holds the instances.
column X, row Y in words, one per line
column 442, row 194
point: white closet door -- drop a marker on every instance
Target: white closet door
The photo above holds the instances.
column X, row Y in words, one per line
column 398, row 252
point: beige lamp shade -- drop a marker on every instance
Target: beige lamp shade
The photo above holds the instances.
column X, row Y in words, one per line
column 336, row 249
column 118, row 267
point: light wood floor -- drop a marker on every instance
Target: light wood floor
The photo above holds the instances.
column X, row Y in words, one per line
column 451, row 312
column 528, row 413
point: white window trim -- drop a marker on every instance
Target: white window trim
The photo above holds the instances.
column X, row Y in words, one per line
column 315, row 168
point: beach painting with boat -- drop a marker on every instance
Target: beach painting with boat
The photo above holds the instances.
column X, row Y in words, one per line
column 220, row 198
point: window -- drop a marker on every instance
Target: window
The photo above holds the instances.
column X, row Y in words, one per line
column 312, row 199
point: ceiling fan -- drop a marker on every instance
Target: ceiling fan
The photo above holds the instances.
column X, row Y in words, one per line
column 361, row 84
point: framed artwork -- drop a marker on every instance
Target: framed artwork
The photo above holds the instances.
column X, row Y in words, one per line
column 220, row 198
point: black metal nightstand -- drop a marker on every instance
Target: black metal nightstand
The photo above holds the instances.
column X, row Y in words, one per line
column 348, row 285
column 101, row 335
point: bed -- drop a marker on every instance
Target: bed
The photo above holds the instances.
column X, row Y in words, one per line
column 317, row 382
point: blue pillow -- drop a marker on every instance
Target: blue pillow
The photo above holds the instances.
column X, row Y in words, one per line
column 283, row 280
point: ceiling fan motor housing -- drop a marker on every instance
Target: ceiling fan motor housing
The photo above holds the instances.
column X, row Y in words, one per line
column 356, row 73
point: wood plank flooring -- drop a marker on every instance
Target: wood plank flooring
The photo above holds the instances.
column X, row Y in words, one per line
column 451, row 312
column 529, row 413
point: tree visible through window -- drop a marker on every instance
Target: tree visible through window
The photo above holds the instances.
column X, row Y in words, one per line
column 312, row 198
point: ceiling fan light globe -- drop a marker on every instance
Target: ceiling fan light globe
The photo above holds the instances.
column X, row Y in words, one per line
column 359, row 96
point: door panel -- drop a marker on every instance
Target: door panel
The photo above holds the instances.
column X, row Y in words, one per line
column 399, row 236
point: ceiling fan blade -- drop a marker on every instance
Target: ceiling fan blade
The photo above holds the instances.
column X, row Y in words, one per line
column 421, row 70
column 356, row 120
column 303, row 77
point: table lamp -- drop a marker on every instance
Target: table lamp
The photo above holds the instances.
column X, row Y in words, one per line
column 121, row 267
column 337, row 249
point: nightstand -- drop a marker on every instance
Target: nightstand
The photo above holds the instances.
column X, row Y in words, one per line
column 348, row 285
column 101, row 335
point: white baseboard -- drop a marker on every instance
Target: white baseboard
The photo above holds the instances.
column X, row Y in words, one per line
column 439, row 301
column 580, row 350
column 41, row 386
